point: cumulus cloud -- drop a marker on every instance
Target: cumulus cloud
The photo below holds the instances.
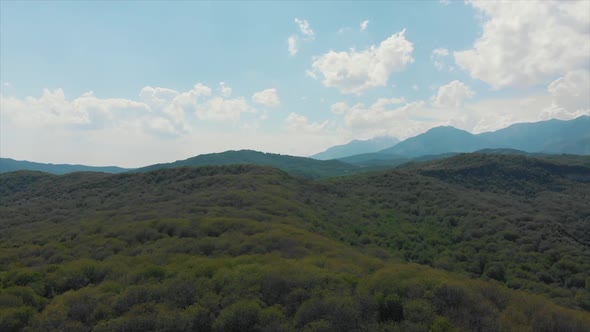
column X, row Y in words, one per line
column 566, row 98
column 383, row 117
column 452, row 95
column 364, row 24
column 305, row 31
column 220, row 109
column 300, row 123
column 225, row 90
column 356, row 71
column 526, row 43
column 305, row 28
column 157, row 97
column 52, row 108
column 570, row 96
column 292, row 45
column 268, row 97
column 158, row 111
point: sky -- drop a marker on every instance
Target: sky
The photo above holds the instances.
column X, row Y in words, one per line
column 133, row 83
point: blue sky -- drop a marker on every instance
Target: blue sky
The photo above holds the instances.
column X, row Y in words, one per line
column 131, row 83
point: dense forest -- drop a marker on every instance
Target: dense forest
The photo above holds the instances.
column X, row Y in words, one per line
column 474, row 242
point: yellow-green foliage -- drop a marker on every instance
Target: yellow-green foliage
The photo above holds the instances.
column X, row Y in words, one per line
column 248, row 248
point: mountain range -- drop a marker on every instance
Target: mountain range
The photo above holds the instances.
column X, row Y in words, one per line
column 357, row 147
column 546, row 137
column 549, row 137
column 552, row 136
column 11, row 165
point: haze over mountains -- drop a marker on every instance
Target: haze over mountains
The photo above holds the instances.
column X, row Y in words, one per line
column 546, row 137
column 552, row 136
column 420, row 236
column 11, row 165
column 357, row 147
column 299, row 166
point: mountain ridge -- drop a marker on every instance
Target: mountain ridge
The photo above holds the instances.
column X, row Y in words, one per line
column 355, row 147
column 299, row 166
column 551, row 136
column 10, row 165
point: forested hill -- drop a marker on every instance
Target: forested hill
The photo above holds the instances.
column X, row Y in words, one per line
column 11, row 165
column 428, row 247
column 298, row 166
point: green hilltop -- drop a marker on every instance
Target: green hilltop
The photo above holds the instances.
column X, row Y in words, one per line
column 298, row 166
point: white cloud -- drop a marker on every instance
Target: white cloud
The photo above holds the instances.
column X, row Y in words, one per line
column 225, row 90
column 50, row 109
column 440, row 51
column 415, row 87
column 157, row 97
column 566, row 98
column 292, row 45
column 53, row 109
column 440, row 59
column 175, row 110
column 354, row 72
column 382, row 102
column 378, row 119
column 158, row 111
column 364, row 24
column 219, row 109
column 527, row 43
column 452, row 95
column 570, row 96
column 300, row 123
column 305, row 28
column 268, row 97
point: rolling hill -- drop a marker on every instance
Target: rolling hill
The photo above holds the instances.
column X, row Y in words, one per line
column 471, row 242
column 11, row 165
column 299, row 166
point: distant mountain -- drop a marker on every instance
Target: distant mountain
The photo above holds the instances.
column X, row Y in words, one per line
column 11, row 165
column 436, row 141
column 357, row 147
column 552, row 136
column 299, row 166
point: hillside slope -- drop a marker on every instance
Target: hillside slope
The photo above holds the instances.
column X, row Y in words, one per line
column 299, row 166
column 11, row 165
column 234, row 248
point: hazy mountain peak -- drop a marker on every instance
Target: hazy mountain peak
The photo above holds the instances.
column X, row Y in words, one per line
column 551, row 136
column 357, row 147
